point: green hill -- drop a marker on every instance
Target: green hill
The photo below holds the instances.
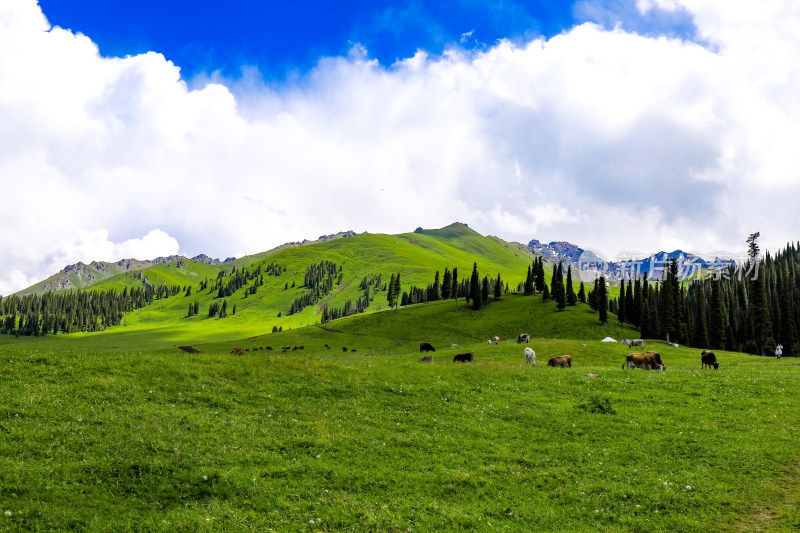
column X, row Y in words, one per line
column 268, row 290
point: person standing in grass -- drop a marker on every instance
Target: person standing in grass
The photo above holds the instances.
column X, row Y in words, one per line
column 778, row 351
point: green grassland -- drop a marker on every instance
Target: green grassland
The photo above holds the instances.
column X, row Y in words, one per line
column 345, row 430
column 110, row 437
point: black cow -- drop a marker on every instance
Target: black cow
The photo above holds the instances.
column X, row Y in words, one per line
column 426, row 347
column 523, row 337
column 463, row 358
column 344, row 348
column 709, row 359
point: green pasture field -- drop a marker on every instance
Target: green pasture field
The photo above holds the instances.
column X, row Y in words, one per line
column 123, row 431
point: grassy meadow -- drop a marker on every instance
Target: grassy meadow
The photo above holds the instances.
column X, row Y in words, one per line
column 123, row 431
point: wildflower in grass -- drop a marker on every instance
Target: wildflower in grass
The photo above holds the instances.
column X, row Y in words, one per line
column 205, row 478
column 8, row 513
column 688, row 487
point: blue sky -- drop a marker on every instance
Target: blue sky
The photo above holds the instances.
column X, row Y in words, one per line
column 279, row 38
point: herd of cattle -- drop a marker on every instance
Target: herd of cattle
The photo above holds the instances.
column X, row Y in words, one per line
column 646, row 361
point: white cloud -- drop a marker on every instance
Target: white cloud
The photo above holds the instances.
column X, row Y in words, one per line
column 605, row 138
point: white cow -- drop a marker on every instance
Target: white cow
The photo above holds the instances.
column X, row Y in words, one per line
column 496, row 340
column 530, row 356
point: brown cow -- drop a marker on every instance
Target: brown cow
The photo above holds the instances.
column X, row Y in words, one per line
column 561, row 362
column 647, row 361
column 709, row 359
column 636, row 342
column 426, row 359
column 237, row 351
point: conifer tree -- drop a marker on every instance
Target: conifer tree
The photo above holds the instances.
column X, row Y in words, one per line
column 447, row 282
column 602, row 299
column 396, row 290
column 629, row 308
column 529, row 281
column 571, row 298
column 621, row 303
column 644, row 323
column 636, row 315
column 700, row 337
column 498, row 287
column 475, row 288
column 716, row 331
column 545, row 293
column 454, row 288
column 593, row 303
column 582, row 293
column 437, row 288
column 788, row 331
column 760, row 311
column 538, row 278
column 391, row 294
column 559, row 292
column 485, row 289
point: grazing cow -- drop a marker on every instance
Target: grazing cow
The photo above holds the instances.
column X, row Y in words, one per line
column 454, row 345
column 647, row 361
column 561, row 362
column 636, row 342
column 426, row 359
column 496, row 340
column 269, row 347
column 489, row 342
column 530, row 356
column 426, row 347
column 708, row 359
column 344, row 348
column 463, row 358
column 523, row 337
column 353, row 350
column 237, row 351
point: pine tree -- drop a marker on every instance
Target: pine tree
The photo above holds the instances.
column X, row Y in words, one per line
column 529, row 281
column 629, row 307
column 700, row 337
column 602, row 299
column 437, row 288
column 636, row 315
column 447, row 282
column 396, row 289
column 621, row 303
column 560, row 293
column 498, row 287
column 485, row 289
column 391, row 294
column 571, row 298
column 788, row 330
column 644, row 323
column 545, row 293
column 716, row 333
column 593, row 294
column 454, row 288
column 475, row 288
column 538, row 278
column 759, row 308
column 582, row 293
